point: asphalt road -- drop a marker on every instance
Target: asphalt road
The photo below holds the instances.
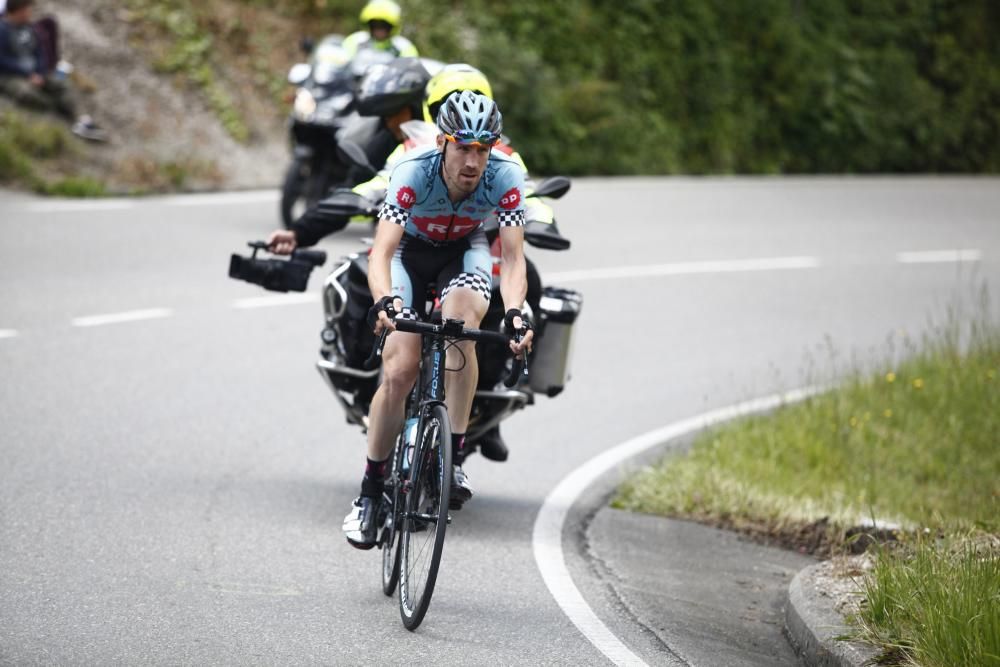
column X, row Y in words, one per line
column 172, row 485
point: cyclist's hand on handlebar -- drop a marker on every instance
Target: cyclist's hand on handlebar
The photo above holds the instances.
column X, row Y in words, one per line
column 382, row 313
column 515, row 321
column 281, row 242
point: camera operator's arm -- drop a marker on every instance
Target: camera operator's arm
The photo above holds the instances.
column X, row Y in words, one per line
column 306, row 231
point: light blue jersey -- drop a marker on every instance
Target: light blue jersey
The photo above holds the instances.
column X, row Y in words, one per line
column 417, row 198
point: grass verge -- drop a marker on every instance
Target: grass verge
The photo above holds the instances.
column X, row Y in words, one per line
column 914, row 441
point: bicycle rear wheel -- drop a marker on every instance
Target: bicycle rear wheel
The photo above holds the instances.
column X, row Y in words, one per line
column 425, row 517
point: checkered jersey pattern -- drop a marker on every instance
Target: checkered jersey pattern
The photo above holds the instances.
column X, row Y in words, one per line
column 510, row 218
column 394, row 214
column 483, row 286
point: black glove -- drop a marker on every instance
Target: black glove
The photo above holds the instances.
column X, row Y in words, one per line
column 385, row 303
column 508, row 321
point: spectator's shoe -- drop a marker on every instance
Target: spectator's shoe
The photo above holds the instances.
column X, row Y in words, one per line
column 461, row 491
column 492, row 446
column 86, row 128
column 361, row 524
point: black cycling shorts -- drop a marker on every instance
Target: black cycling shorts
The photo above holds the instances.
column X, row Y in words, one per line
column 417, row 264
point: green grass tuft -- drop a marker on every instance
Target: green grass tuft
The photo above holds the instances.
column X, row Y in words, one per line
column 936, row 602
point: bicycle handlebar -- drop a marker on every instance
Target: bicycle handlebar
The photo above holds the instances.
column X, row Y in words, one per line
column 451, row 329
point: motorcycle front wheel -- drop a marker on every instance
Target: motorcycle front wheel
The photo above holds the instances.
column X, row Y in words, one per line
column 293, row 203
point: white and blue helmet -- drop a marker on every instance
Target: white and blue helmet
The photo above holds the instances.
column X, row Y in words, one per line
column 470, row 118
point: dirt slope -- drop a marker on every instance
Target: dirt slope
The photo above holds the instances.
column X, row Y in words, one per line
column 163, row 134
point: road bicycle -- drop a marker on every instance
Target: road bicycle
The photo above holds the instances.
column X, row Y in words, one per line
column 415, row 504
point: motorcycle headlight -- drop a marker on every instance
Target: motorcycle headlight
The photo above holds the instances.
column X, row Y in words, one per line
column 305, row 104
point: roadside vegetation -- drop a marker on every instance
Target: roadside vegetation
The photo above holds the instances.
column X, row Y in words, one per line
column 690, row 86
column 31, row 148
column 913, row 444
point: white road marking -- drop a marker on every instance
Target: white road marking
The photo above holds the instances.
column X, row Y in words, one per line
column 79, row 206
column 225, row 198
column 128, row 316
column 547, row 534
column 688, row 268
column 939, row 256
column 8, row 333
column 277, row 300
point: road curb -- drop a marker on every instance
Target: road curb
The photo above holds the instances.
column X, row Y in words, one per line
column 811, row 622
column 813, row 625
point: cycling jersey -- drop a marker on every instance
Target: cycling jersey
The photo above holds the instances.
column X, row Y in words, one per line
column 444, row 243
column 417, row 198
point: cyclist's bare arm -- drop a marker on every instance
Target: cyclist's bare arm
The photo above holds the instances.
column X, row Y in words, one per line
column 387, row 238
column 514, row 277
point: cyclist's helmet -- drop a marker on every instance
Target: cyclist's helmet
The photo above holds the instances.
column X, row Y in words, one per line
column 470, row 118
column 453, row 78
column 385, row 90
column 386, row 11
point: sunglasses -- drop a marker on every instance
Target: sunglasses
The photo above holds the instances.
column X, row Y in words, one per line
column 483, row 138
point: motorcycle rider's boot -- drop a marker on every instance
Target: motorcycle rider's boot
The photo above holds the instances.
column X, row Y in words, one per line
column 361, row 523
column 492, row 446
column 461, row 490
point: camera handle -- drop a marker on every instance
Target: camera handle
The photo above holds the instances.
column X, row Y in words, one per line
column 314, row 257
column 257, row 245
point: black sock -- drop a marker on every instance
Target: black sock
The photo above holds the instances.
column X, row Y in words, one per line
column 373, row 483
column 458, row 448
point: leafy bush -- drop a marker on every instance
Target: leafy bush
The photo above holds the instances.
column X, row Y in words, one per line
column 715, row 86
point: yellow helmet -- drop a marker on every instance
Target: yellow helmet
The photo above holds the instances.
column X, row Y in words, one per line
column 453, row 78
column 383, row 10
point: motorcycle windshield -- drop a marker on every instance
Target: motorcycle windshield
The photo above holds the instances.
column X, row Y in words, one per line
column 365, row 58
column 332, row 78
column 330, row 60
column 418, row 133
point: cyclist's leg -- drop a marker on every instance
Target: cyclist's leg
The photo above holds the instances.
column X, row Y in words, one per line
column 400, row 359
column 401, row 354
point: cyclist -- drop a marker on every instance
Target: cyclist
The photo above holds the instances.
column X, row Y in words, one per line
column 430, row 230
column 384, row 21
column 396, row 93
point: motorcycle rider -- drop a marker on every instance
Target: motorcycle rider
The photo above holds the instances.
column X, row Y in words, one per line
column 393, row 98
column 463, row 181
column 384, row 21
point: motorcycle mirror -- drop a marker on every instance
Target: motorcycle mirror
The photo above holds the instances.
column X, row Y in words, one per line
column 306, row 45
column 345, row 203
column 545, row 236
column 357, row 155
column 553, row 186
column 299, row 73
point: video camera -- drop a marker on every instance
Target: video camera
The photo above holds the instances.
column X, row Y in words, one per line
column 276, row 275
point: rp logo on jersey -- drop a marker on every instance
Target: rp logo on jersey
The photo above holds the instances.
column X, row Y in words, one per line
column 406, row 197
column 511, row 199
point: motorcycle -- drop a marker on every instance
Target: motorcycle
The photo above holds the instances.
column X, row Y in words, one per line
column 347, row 340
column 322, row 109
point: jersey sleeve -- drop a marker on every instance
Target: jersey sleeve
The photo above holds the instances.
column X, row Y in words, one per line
column 510, row 207
column 401, row 194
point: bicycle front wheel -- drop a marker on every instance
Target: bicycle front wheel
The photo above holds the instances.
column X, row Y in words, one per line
column 389, row 537
column 425, row 517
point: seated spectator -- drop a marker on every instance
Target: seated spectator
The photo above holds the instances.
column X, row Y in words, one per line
column 28, row 78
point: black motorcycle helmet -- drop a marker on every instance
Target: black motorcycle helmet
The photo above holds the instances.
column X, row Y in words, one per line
column 385, row 90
